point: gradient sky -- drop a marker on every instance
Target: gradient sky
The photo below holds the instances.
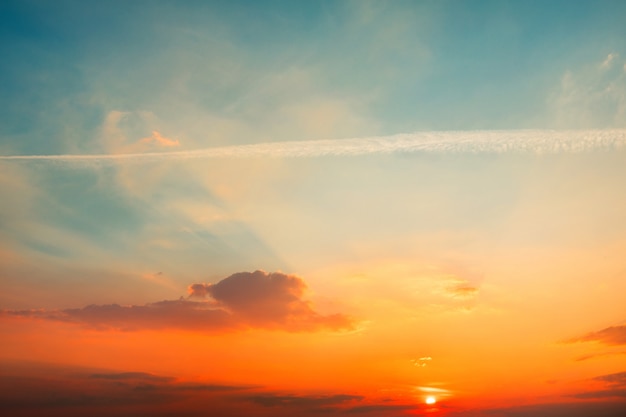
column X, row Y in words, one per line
column 491, row 280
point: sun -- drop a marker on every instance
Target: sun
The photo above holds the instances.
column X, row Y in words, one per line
column 430, row 400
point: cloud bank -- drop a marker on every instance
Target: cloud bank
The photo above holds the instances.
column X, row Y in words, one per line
column 491, row 142
column 241, row 301
column 75, row 392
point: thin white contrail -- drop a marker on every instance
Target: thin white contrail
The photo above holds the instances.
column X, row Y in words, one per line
column 472, row 142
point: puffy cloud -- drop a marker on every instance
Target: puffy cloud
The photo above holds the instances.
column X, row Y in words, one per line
column 267, row 299
column 609, row 60
column 614, row 335
column 242, row 300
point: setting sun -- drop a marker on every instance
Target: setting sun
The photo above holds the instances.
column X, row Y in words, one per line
column 430, row 400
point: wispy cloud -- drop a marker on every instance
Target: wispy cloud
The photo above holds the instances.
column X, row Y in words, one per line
column 241, row 301
column 495, row 142
column 614, row 387
column 614, row 335
column 159, row 140
column 596, row 355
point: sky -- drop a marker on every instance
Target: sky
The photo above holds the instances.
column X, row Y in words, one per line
column 277, row 208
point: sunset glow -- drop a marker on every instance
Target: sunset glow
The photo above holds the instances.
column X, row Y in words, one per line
column 313, row 208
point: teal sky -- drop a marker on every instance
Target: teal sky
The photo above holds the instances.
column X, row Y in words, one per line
column 213, row 73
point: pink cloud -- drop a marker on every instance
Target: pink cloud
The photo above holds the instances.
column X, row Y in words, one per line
column 159, row 140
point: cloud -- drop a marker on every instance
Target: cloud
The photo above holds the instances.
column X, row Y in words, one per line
column 614, row 335
column 384, row 409
column 595, row 355
column 618, row 379
column 338, row 404
column 463, row 290
column 267, row 298
column 56, row 390
column 240, row 301
column 592, row 96
column 605, row 408
column 473, row 142
column 124, row 376
column 275, row 400
column 607, row 393
column 75, row 393
column 421, row 362
column 158, row 140
column 609, row 60
column 614, row 387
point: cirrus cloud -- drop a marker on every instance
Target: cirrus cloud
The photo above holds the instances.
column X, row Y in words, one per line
column 614, row 335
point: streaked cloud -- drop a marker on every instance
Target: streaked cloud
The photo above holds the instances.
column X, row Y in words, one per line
column 614, row 335
column 614, row 386
column 596, row 355
column 241, row 301
column 479, row 141
column 276, row 400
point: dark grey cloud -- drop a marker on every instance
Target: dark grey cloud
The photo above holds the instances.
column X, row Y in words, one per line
column 381, row 408
column 277, row 400
column 241, row 301
column 601, row 394
column 334, row 405
column 576, row 408
column 126, row 376
column 74, row 392
column 38, row 392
